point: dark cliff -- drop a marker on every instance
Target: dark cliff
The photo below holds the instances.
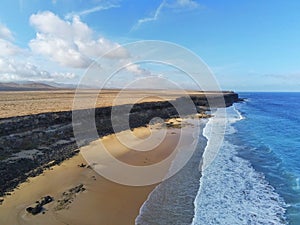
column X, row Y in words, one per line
column 29, row 144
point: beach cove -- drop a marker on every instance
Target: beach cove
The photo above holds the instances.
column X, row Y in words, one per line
column 102, row 201
column 78, row 194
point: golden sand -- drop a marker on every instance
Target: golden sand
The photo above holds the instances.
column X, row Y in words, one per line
column 102, row 203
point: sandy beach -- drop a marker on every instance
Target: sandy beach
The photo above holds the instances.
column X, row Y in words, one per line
column 78, row 194
column 102, row 201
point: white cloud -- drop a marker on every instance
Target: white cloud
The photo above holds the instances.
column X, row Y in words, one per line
column 136, row 69
column 9, row 68
column 69, row 43
column 91, row 10
column 177, row 5
column 59, row 50
column 12, row 70
column 66, row 75
column 183, row 4
column 149, row 19
column 7, row 48
column 15, row 67
column 5, row 33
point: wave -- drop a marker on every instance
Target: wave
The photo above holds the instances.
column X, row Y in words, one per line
column 172, row 201
column 215, row 130
column 231, row 191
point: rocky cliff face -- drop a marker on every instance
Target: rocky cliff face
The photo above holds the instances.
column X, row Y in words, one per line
column 29, row 144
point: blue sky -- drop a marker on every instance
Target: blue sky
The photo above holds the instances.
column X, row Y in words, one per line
column 249, row 45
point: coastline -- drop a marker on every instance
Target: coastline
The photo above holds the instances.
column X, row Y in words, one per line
column 118, row 203
column 102, row 201
column 33, row 143
column 232, row 189
column 172, row 201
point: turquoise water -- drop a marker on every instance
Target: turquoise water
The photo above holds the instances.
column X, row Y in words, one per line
column 270, row 140
column 254, row 179
column 232, row 191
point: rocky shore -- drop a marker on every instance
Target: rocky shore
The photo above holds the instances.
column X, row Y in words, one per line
column 33, row 143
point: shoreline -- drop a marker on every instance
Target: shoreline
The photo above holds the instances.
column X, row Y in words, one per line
column 50, row 136
column 102, row 201
column 62, row 153
column 172, row 201
column 231, row 185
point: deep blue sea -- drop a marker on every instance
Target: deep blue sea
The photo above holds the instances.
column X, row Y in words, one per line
column 254, row 178
column 270, row 139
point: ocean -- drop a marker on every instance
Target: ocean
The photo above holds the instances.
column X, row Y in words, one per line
column 270, row 141
column 254, row 179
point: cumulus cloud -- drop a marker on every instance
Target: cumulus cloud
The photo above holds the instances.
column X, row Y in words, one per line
column 15, row 67
column 137, row 70
column 5, row 33
column 69, row 43
column 12, row 70
column 177, row 5
column 67, row 75
column 7, row 48
column 9, row 68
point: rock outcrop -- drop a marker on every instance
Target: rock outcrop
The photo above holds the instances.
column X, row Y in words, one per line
column 68, row 197
column 38, row 208
column 29, row 144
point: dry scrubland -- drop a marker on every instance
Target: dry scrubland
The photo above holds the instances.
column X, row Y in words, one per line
column 21, row 103
column 33, row 102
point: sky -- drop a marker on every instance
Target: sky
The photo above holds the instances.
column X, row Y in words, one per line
column 248, row 45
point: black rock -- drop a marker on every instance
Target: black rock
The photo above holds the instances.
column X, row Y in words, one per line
column 82, row 165
column 39, row 206
column 35, row 210
column 46, row 200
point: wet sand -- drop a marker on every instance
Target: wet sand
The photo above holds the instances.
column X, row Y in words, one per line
column 103, row 201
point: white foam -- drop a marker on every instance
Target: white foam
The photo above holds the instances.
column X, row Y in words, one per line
column 171, row 202
column 231, row 191
column 297, row 184
column 214, row 131
column 186, row 151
